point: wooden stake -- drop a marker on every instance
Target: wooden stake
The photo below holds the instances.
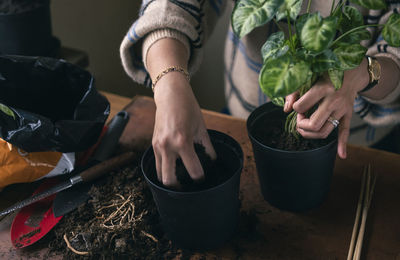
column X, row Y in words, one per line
column 357, row 220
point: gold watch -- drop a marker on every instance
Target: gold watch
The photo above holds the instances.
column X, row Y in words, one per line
column 374, row 71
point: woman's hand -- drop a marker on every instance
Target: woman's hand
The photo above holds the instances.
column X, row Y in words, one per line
column 332, row 105
column 179, row 122
column 178, row 125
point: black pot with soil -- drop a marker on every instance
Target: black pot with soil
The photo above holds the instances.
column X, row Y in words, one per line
column 294, row 174
column 200, row 216
column 25, row 28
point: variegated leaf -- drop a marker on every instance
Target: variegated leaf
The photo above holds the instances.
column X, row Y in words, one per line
column 351, row 18
column 370, row 4
column 279, row 101
column 391, row 30
column 336, row 77
column 317, row 33
column 355, row 37
column 324, row 61
column 281, row 76
column 249, row 14
column 275, row 46
column 301, row 21
column 6, row 110
column 350, row 56
column 293, row 6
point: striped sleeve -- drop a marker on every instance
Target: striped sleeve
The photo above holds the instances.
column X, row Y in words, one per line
column 188, row 21
column 386, row 111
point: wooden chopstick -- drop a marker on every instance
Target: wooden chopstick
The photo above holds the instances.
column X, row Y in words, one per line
column 367, row 190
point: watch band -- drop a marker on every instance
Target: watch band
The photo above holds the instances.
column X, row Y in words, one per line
column 374, row 79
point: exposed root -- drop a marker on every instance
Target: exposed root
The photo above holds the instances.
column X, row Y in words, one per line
column 150, row 236
column 123, row 215
column 73, row 249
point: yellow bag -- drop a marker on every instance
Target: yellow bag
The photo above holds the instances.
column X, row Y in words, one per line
column 18, row 166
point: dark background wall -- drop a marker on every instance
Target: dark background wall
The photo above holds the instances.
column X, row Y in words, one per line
column 98, row 27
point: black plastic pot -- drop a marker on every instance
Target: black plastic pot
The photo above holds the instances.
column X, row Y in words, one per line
column 202, row 219
column 28, row 33
column 290, row 180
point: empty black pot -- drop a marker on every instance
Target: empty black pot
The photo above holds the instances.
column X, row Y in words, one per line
column 201, row 219
column 28, row 33
column 290, row 180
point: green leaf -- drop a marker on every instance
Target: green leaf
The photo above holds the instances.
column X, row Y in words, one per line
column 293, row 6
column 281, row 76
column 351, row 18
column 318, row 33
column 355, row 37
column 391, row 30
column 336, row 77
column 249, row 14
column 279, row 101
column 350, row 56
column 275, row 46
column 6, row 110
column 370, row 4
column 301, row 21
column 324, row 61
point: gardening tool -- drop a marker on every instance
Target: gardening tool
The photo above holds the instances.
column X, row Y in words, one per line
column 105, row 149
column 35, row 220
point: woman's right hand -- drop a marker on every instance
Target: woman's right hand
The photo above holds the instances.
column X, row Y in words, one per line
column 178, row 125
column 179, row 122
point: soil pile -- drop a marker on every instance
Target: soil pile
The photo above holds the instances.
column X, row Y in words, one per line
column 119, row 222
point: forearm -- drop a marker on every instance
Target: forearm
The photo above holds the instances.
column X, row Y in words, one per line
column 162, row 54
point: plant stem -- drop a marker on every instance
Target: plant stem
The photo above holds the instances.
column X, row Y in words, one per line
column 332, row 6
column 308, row 5
column 353, row 30
column 277, row 24
column 292, row 47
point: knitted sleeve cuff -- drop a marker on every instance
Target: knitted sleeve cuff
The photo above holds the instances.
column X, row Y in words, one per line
column 154, row 36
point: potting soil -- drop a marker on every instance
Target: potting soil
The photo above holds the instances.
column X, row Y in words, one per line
column 272, row 133
column 215, row 172
column 119, row 222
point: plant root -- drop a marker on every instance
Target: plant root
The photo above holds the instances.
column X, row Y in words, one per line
column 123, row 215
column 150, row 236
column 73, row 249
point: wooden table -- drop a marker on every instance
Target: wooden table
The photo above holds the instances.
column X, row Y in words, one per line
column 268, row 233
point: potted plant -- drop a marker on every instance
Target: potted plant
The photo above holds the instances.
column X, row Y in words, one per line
column 293, row 60
column 25, row 28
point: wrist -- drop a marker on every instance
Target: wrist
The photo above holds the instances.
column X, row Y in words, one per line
column 170, row 86
column 357, row 78
column 362, row 76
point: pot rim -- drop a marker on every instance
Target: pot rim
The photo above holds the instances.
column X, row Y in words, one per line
column 237, row 172
column 252, row 118
column 46, row 4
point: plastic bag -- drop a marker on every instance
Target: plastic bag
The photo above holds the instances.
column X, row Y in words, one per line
column 49, row 105
column 18, row 166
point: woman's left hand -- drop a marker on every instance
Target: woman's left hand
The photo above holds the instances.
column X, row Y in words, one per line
column 335, row 108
